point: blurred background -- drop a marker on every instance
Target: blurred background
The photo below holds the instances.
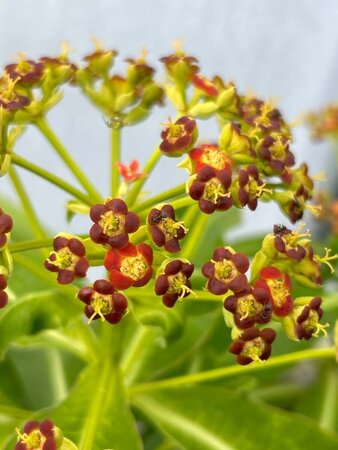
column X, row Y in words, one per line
column 284, row 50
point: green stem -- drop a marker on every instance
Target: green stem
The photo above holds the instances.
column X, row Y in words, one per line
column 194, row 236
column 149, row 166
column 26, row 204
column 46, row 130
column 224, row 372
column 164, row 196
column 21, row 162
column 115, row 158
column 34, row 244
column 182, row 203
column 329, row 407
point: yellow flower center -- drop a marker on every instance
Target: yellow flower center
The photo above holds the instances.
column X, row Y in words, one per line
column 65, row 259
column 133, row 267
column 213, row 189
column 247, row 306
column 279, row 292
column 33, row 440
column 176, row 131
column 253, row 349
column 170, row 227
column 101, row 304
column 225, row 270
column 112, row 223
column 215, row 158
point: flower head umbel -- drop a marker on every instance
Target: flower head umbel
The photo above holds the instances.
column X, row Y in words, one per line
column 250, row 307
column 112, row 223
column 102, row 301
column 164, row 229
column 209, row 155
column 3, row 294
column 6, row 225
column 130, row 266
column 179, row 137
column 253, row 345
column 174, row 283
column 130, row 172
column 226, row 270
column 39, row 436
column 68, row 258
column 305, row 319
column 210, row 188
column 278, row 285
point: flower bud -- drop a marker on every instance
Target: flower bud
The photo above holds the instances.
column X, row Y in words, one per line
column 236, row 144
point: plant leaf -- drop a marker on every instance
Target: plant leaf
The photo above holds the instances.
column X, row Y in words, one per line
column 203, row 417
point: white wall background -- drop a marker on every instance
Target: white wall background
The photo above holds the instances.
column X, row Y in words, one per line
column 284, row 49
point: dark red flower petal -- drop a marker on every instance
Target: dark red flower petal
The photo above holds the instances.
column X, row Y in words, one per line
column 65, row 276
column 76, row 247
column 60, row 242
column 132, row 222
column 81, row 267
column 118, row 241
column 169, row 300
column 217, row 287
column 239, row 283
column 271, row 272
column 97, row 211
column 173, row 267
column 120, row 281
column 120, row 303
column 85, row 294
column 112, row 260
column 157, row 236
column 113, row 317
column 236, row 347
column 128, row 250
column 117, row 206
column 47, row 427
column 3, row 282
column 97, row 235
column 243, row 360
column 208, row 270
column 103, row 287
column 187, row 269
column 250, row 334
column 6, row 223
column 30, row 426
column 147, row 252
column 269, row 335
column 241, row 262
column 196, row 190
column 161, row 285
column 172, row 245
column 206, row 206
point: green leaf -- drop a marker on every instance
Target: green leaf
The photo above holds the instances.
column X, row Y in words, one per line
column 34, row 313
column 203, row 418
column 96, row 416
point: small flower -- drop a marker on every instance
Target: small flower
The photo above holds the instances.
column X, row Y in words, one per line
column 250, row 187
column 262, row 115
column 6, row 225
column 210, row 155
column 179, row 137
column 100, row 61
column 250, row 307
column 39, row 436
column 3, row 294
column 139, row 72
column 165, row 230
column 294, row 202
column 226, row 271
column 130, row 266
column 27, row 72
column 275, row 152
column 68, row 258
column 112, row 223
column 204, row 85
column 102, row 301
column 211, row 188
column 10, row 98
column 290, row 242
column 307, row 317
column 278, row 284
column 130, row 172
column 179, row 66
column 253, row 345
column 174, row 283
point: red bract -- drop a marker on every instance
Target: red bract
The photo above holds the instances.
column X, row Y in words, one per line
column 253, row 345
column 130, row 172
column 174, row 282
column 211, row 189
column 38, row 435
column 102, row 301
column 6, row 225
column 179, row 137
column 210, row 155
column 226, row 271
column 130, row 266
column 165, row 230
column 68, row 259
column 204, row 85
column 250, row 307
column 112, row 223
column 278, row 284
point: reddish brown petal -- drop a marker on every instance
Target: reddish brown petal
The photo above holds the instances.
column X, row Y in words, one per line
column 236, row 347
column 132, row 222
column 206, row 173
column 128, row 250
column 250, row 334
column 46, row 427
column 65, row 276
column 217, row 287
column 3, row 282
column 120, row 303
column 208, row 270
column 97, row 235
column 97, row 211
column 269, row 335
column 187, row 269
column 30, row 426
column 241, row 262
column 224, row 203
column 81, row 267
column 206, row 206
column 89, row 311
column 221, row 253
column 76, row 247
column 157, row 236
column 118, row 241
column 113, row 317
column 3, row 240
column 3, row 299
column 85, row 294
column 59, row 243
column 169, row 210
column 243, row 360
column 161, row 285
column 6, row 223
column 117, row 206
column 173, row 267
column 196, row 190
column 230, row 304
column 271, row 272
column 169, row 300
column 172, row 245
column 103, row 287
column 51, row 267
column 238, row 284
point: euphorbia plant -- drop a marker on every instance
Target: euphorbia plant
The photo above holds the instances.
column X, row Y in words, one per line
column 174, row 293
